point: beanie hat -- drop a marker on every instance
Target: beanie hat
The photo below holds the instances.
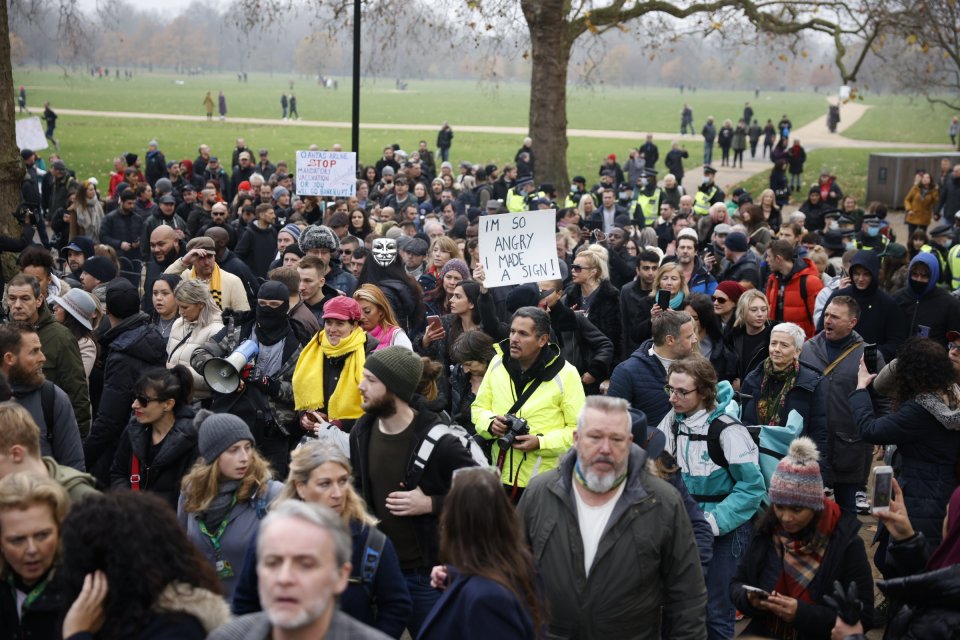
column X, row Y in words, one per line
column 733, row 290
column 101, row 268
column 123, row 300
column 398, row 368
column 458, row 265
column 219, row 432
column 688, row 233
column 797, row 481
column 293, row 230
column 131, row 158
column 164, row 185
column 736, row 241
column 279, row 192
column 318, row 236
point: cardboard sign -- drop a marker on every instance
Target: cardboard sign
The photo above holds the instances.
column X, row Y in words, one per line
column 516, row 248
column 30, row 134
column 327, row 173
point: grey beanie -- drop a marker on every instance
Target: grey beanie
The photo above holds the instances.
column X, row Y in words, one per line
column 219, row 432
column 318, row 236
column 164, row 185
column 398, row 368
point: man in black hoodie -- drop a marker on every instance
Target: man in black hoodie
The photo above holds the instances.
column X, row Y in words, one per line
column 881, row 320
column 930, row 311
column 258, row 246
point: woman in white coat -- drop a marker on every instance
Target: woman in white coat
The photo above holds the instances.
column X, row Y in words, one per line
column 199, row 321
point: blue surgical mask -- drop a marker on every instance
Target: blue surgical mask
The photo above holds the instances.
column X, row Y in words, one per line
column 850, row 245
column 873, row 232
column 705, row 180
column 834, row 225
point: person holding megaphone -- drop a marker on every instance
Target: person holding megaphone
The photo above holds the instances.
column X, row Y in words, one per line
column 250, row 370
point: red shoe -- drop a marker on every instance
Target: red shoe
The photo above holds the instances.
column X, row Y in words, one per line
column 739, row 616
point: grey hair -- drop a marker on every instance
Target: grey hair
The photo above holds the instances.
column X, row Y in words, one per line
column 605, row 404
column 792, row 330
column 197, row 292
column 317, row 515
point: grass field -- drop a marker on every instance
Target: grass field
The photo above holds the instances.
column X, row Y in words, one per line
column 424, row 102
column 902, row 119
column 89, row 144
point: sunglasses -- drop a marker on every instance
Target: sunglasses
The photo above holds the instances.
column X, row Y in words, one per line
column 576, row 268
column 720, row 300
column 145, row 400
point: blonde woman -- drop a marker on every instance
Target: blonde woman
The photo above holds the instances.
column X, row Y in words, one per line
column 442, row 250
column 225, row 494
column 199, row 321
column 591, row 293
column 378, row 319
column 749, row 338
column 321, row 473
column 669, row 278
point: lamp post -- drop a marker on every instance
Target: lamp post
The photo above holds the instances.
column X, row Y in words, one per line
column 355, row 130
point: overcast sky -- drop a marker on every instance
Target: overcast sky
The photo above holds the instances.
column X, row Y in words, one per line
column 174, row 5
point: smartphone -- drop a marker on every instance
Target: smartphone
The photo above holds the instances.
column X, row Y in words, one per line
column 882, row 488
column 433, row 322
column 663, row 299
column 870, row 357
column 593, row 225
column 760, row 592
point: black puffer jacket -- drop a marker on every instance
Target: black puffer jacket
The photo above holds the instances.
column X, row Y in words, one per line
column 162, row 476
column 634, row 304
column 130, row 348
column 604, row 311
column 930, row 608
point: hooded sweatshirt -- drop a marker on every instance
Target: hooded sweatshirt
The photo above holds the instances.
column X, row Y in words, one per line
column 930, row 311
column 881, row 320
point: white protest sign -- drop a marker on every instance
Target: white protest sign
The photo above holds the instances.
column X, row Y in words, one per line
column 327, row 173
column 30, row 134
column 519, row 247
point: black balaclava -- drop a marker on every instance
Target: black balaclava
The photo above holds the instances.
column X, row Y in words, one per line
column 273, row 325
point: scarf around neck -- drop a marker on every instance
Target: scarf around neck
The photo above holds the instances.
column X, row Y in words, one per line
column 219, row 507
column 802, row 556
column 308, row 376
column 384, row 336
column 774, row 387
column 216, row 287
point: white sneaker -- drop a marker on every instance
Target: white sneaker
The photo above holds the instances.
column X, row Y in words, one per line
column 863, row 505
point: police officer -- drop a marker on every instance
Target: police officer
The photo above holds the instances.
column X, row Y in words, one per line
column 649, row 196
column 708, row 193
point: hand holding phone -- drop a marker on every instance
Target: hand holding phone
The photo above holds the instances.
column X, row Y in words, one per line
column 663, row 299
column 870, row 358
column 763, row 595
column 882, row 488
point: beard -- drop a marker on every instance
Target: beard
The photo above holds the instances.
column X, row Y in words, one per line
column 306, row 616
column 381, row 408
column 597, row 482
column 19, row 374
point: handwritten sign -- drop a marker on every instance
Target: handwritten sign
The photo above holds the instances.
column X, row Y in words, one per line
column 327, row 173
column 30, row 134
column 519, row 247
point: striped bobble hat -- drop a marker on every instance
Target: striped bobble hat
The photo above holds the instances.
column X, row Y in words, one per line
column 797, row 481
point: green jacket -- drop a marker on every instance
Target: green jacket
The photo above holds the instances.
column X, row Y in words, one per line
column 77, row 484
column 646, row 565
column 64, row 367
column 551, row 410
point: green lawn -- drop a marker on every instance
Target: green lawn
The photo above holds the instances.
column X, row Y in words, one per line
column 89, row 144
column 849, row 165
column 902, row 119
column 424, row 102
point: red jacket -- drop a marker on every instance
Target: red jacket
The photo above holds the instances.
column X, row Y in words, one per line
column 795, row 308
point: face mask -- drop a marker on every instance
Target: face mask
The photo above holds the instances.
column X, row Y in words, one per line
column 873, row 232
column 705, row 181
column 850, row 245
column 918, row 287
column 624, row 195
column 384, row 251
column 642, row 182
column 948, row 243
column 575, row 189
column 834, row 225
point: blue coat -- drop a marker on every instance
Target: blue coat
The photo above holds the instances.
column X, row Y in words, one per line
column 928, row 446
column 385, row 605
column 639, row 380
column 476, row 608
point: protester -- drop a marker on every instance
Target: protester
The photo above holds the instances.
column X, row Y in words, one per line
column 378, row 319
column 165, row 307
column 750, row 334
column 76, row 311
column 669, row 278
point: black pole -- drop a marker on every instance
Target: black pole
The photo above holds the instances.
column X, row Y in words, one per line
column 355, row 132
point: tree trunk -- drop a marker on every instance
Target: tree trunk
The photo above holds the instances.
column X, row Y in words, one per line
column 11, row 168
column 550, row 52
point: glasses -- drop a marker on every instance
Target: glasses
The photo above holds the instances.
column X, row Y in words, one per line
column 953, row 346
column 145, row 400
column 576, row 268
column 681, row 393
column 720, row 300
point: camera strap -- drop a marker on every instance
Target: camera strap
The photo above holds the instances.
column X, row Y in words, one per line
column 524, row 396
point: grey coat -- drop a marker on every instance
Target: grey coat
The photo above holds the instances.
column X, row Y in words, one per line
column 244, row 519
column 646, row 564
column 66, row 448
column 256, row 626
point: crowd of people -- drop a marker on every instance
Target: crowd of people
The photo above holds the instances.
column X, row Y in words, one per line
column 229, row 410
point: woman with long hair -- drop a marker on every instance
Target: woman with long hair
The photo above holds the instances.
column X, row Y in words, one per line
column 804, row 543
column 165, row 307
column 76, row 311
column 359, row 224
column 32, row 510
column 489, row 587
column 710, row 334
column 320, row 473
column 120, row 591
column 87, row 212
column 759, row 234
column 199, row 320
column 590, row 292
column 586, row 206
column 925, row 426
column 159, row 445
column 435, row 343
column 225, row 495
column 442, row 250
column 472, row 353
column 330, row 368
column 920, row 202
column 749, row 338
column 378, row 319
column 770, row 208
column 669, row 278
column 453, row 273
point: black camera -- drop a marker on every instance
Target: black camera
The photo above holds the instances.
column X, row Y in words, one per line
column 515, row 427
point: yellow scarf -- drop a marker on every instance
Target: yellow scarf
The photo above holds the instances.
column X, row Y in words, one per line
column 216, row 288
column 308, row 376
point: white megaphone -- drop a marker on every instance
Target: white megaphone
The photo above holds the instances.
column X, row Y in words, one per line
column 223, row 374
